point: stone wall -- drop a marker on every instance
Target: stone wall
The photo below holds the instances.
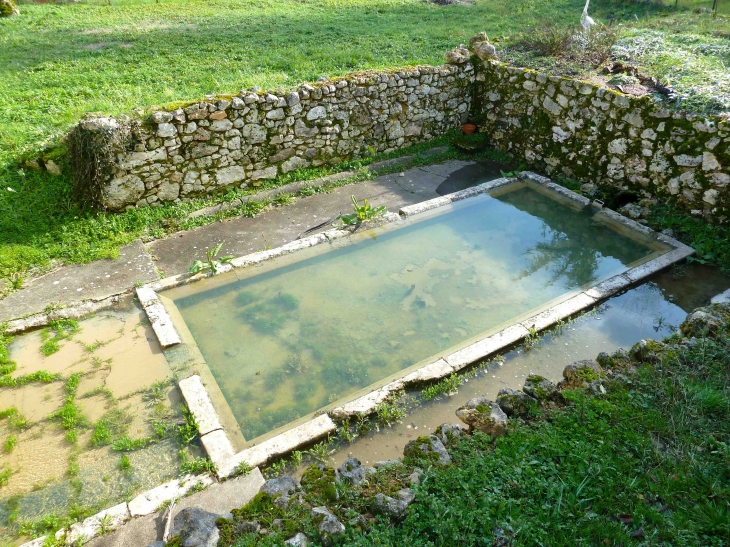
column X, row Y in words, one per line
column 603, row 137
column 556, row 125
column 228, row 142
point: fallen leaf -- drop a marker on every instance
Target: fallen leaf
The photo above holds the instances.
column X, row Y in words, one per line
column 626, row 519
column 637, row 534
column 662, row 508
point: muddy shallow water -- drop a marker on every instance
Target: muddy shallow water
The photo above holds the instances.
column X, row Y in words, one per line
column 652, row 310
column 118, row 360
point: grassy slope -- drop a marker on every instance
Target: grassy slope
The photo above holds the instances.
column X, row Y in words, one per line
column 646, row 464
column 58, row 62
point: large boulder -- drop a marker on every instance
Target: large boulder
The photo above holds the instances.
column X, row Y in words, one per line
column 393, row 508
column 647, row 351
column 515, row 403
column 8, row 8
column 707, row 320
column 327, row 525
column 483, row 415
column 196, row 528
column 429, row 448
column 541, row 389
column 586, row 374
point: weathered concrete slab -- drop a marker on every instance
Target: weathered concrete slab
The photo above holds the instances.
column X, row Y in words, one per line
column 218, row 498
column 483, row 348
column 198, row 401
column 104, row 521
column 159, row 318
column 217, row 446
column 270, row 449
column 148, row 502
column 71, row 284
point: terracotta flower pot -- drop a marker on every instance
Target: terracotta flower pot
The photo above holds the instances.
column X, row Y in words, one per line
column 468, row 128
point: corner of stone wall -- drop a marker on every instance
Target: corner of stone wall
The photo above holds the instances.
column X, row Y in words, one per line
column 94, row 146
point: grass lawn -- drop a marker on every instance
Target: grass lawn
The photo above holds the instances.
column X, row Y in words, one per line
column 58, row 62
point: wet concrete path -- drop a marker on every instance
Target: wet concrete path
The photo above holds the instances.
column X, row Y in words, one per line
column 138, row 263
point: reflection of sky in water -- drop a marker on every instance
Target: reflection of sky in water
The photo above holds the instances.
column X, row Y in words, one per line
column 284, row 343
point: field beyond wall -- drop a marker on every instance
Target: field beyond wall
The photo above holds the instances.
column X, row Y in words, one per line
column 61, row 61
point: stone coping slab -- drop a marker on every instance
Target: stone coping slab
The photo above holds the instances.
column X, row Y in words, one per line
column 319, row 425
column 278, row 446
column 158, row 316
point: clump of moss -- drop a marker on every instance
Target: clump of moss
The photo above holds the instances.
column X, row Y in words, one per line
column 8, row 8
column 320, row 480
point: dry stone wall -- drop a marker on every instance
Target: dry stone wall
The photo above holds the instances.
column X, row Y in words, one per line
column 220, row 143
column 603, row 137
column 573, row 128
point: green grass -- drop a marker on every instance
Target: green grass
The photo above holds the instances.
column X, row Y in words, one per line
column 58, row 62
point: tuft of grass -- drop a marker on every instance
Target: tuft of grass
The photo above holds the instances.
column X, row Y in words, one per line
column 10, row 444
column 128, row 444
column 55, row 332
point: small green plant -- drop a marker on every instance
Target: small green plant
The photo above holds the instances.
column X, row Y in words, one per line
column 56, row 331
column 450, row 384
column 276, row 469
column 188, row 431
column 124, row 463
column 212, row 262
column 346, row 434
column 388, row 413
column 362, row 213
column 321, row 452
column 242, row 469
column 105, row 524
column 5, row 476
column 194, row 466
column 10, row 444
column 128, row 444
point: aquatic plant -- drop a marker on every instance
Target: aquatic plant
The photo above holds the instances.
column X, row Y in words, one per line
column 128, row 444
column 450, row 384
column 15, row 419
column 194, row 466
column 362, row 213
column 61, row 329
column 321, row 452
column 10, row 444
column 389, row 412
column 212, row 262
column 114, row 423
column 124, row 463
column 188, row 431
column 5, row 475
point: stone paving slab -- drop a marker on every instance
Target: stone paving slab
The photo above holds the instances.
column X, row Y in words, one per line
column 71, row 284
column 218, row 498
column 242, row 235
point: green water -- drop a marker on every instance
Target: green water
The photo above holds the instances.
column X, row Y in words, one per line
column 284, row 343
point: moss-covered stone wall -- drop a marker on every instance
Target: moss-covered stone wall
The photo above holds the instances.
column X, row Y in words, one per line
column 596, row 135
